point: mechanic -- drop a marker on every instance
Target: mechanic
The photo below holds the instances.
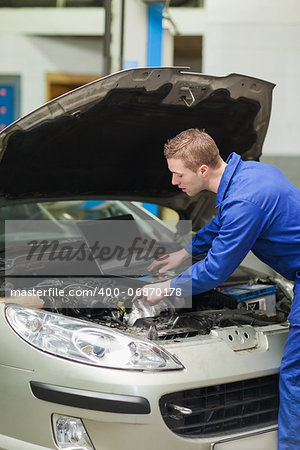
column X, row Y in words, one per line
column 259, row 210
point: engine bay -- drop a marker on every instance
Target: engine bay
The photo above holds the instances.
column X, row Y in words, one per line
column 109, row 303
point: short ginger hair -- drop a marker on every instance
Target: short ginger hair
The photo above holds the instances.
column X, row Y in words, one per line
column 195, row 148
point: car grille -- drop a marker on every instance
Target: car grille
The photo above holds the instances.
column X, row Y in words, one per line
column 222, row 408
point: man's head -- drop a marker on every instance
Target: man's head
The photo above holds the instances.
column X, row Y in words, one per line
column 194, row 160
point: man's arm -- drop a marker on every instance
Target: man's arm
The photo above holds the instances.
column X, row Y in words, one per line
column 242, row 223
column 201, row 242
column 198, row 245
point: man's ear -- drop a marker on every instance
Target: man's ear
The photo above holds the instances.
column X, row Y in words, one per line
column 202, row 171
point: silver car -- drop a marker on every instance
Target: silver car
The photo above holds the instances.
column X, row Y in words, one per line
column 81, row 366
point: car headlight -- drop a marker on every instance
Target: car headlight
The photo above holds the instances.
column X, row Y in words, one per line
column 93, row 344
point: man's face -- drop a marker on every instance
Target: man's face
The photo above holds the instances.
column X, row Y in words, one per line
column 188, row 181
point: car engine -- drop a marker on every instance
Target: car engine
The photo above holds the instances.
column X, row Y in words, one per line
column 167, row 320
column 108, row 302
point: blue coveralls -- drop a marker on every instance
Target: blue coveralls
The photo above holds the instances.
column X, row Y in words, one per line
column 259, row 210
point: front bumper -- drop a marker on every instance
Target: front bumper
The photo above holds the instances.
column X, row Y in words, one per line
column 120, row 408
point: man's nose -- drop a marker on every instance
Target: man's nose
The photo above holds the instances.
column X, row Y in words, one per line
column 174, row 179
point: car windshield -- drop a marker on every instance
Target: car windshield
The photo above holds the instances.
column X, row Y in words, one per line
column 64, row 214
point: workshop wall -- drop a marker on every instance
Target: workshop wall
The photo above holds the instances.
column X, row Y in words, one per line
column 32, row 57
column 262, row 39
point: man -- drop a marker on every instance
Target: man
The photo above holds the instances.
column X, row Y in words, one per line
column 259, row 210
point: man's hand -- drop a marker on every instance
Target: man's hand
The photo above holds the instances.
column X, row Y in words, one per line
column 169, row 261
column 153, row 293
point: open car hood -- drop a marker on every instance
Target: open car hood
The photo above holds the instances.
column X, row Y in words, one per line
column 106, row 139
